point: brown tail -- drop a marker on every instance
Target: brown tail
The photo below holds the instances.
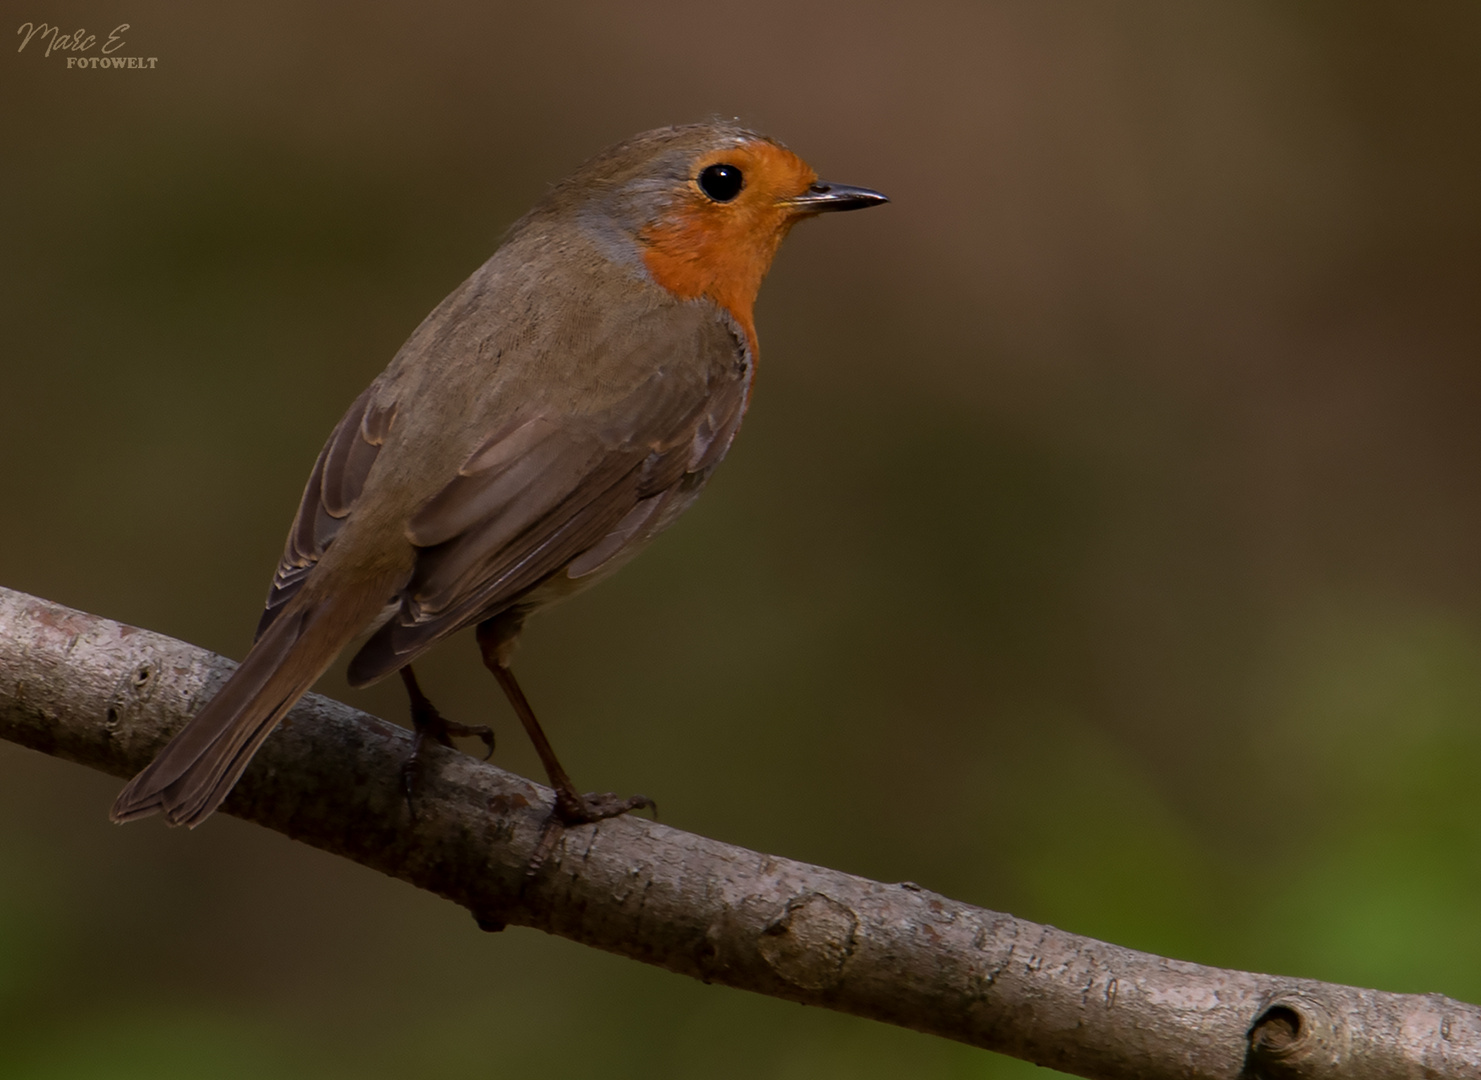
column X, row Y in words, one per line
column 191, row 775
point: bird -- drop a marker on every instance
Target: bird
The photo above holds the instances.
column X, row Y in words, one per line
column 553, row 414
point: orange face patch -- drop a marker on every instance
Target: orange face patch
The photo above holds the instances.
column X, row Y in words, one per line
column 722, row 250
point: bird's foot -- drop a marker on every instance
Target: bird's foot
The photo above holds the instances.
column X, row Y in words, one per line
column 448, row 730
column 573, row 809
column 442, row 734
column 432, row 726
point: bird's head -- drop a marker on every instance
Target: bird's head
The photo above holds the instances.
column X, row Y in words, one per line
column 703, row 207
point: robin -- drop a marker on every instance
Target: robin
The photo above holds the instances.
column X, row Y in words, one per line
column 546, row 421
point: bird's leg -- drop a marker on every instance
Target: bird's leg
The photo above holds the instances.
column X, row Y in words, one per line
column 571, row 807
column 431, row 724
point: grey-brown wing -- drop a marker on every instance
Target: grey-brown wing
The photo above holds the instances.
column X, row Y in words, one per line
column 550, row 495
column 333, row 487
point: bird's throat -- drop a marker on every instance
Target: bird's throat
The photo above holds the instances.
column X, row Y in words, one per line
column 691, row 259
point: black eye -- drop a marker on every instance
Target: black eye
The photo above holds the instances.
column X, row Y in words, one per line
column 722, row 182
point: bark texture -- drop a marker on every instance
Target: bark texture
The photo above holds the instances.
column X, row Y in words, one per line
column 109, row 696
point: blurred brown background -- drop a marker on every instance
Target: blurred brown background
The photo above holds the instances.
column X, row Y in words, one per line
column 1101, row 546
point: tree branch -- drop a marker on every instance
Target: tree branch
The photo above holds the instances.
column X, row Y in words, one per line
column 109, row 696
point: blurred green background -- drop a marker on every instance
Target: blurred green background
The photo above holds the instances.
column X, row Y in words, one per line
column 1101, row 545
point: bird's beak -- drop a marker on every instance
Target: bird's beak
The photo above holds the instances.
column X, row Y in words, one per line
column 823, row 198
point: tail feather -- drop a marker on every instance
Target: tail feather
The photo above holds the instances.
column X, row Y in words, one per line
column 199, row 766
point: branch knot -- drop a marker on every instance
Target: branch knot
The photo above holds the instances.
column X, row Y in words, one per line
column 811, row 941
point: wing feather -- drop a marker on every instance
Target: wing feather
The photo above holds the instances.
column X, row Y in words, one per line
column 333, row 486
column 552, row 495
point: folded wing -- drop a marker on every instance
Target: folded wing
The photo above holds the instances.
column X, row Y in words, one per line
column 564, row 492
column 333, row 487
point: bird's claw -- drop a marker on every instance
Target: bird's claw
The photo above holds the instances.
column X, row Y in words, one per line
column 432, row 726
column 467, row 731
column 573, row 809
